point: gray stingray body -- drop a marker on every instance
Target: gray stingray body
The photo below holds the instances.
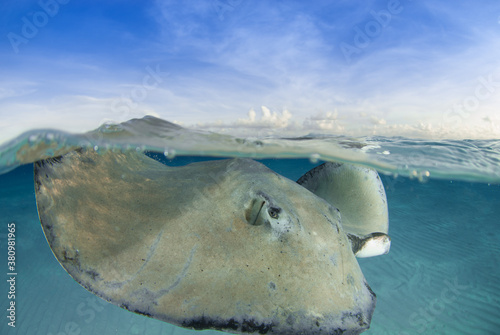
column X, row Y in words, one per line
column 227, row 245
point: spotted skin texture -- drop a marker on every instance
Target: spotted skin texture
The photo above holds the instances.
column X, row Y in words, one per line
column 227, row 245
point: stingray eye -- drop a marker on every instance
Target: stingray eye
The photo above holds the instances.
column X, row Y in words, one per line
column 274, row 212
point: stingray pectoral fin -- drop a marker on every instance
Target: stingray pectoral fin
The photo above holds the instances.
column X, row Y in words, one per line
column 104, row 218
column 356, row 191
column 374, row 244
column 226, row 244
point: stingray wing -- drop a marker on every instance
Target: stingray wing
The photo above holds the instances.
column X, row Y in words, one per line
column 226, row 244
column 108, row 219
column 360, row 196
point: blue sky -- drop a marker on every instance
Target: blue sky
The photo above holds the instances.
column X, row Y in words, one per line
column 411, row 68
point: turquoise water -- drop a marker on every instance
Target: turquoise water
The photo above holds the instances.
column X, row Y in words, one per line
column 440, row 277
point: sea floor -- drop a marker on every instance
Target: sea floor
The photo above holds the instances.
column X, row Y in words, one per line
column 441, row 276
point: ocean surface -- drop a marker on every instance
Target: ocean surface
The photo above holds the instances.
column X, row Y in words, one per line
column 440, row 277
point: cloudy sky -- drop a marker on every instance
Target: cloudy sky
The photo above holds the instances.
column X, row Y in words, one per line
column 392, row 67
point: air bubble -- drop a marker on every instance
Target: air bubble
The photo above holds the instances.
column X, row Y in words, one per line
column 424, row 176
column 170, row 153
column 314, row 158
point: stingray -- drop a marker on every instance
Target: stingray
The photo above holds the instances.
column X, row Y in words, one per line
column 227, row 245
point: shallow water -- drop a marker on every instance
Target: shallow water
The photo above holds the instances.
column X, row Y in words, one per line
column 471, row 160
column 440, row 277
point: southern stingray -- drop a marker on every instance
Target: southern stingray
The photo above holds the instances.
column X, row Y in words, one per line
column 227, row 244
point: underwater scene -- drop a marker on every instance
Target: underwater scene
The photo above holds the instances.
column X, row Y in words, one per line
column 440, row 275
column 249, row 167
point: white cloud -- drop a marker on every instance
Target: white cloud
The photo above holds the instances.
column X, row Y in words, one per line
column 268, row 119
column 376, row 121
column 15, row 89
column 324, row 122
column 7, row 93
